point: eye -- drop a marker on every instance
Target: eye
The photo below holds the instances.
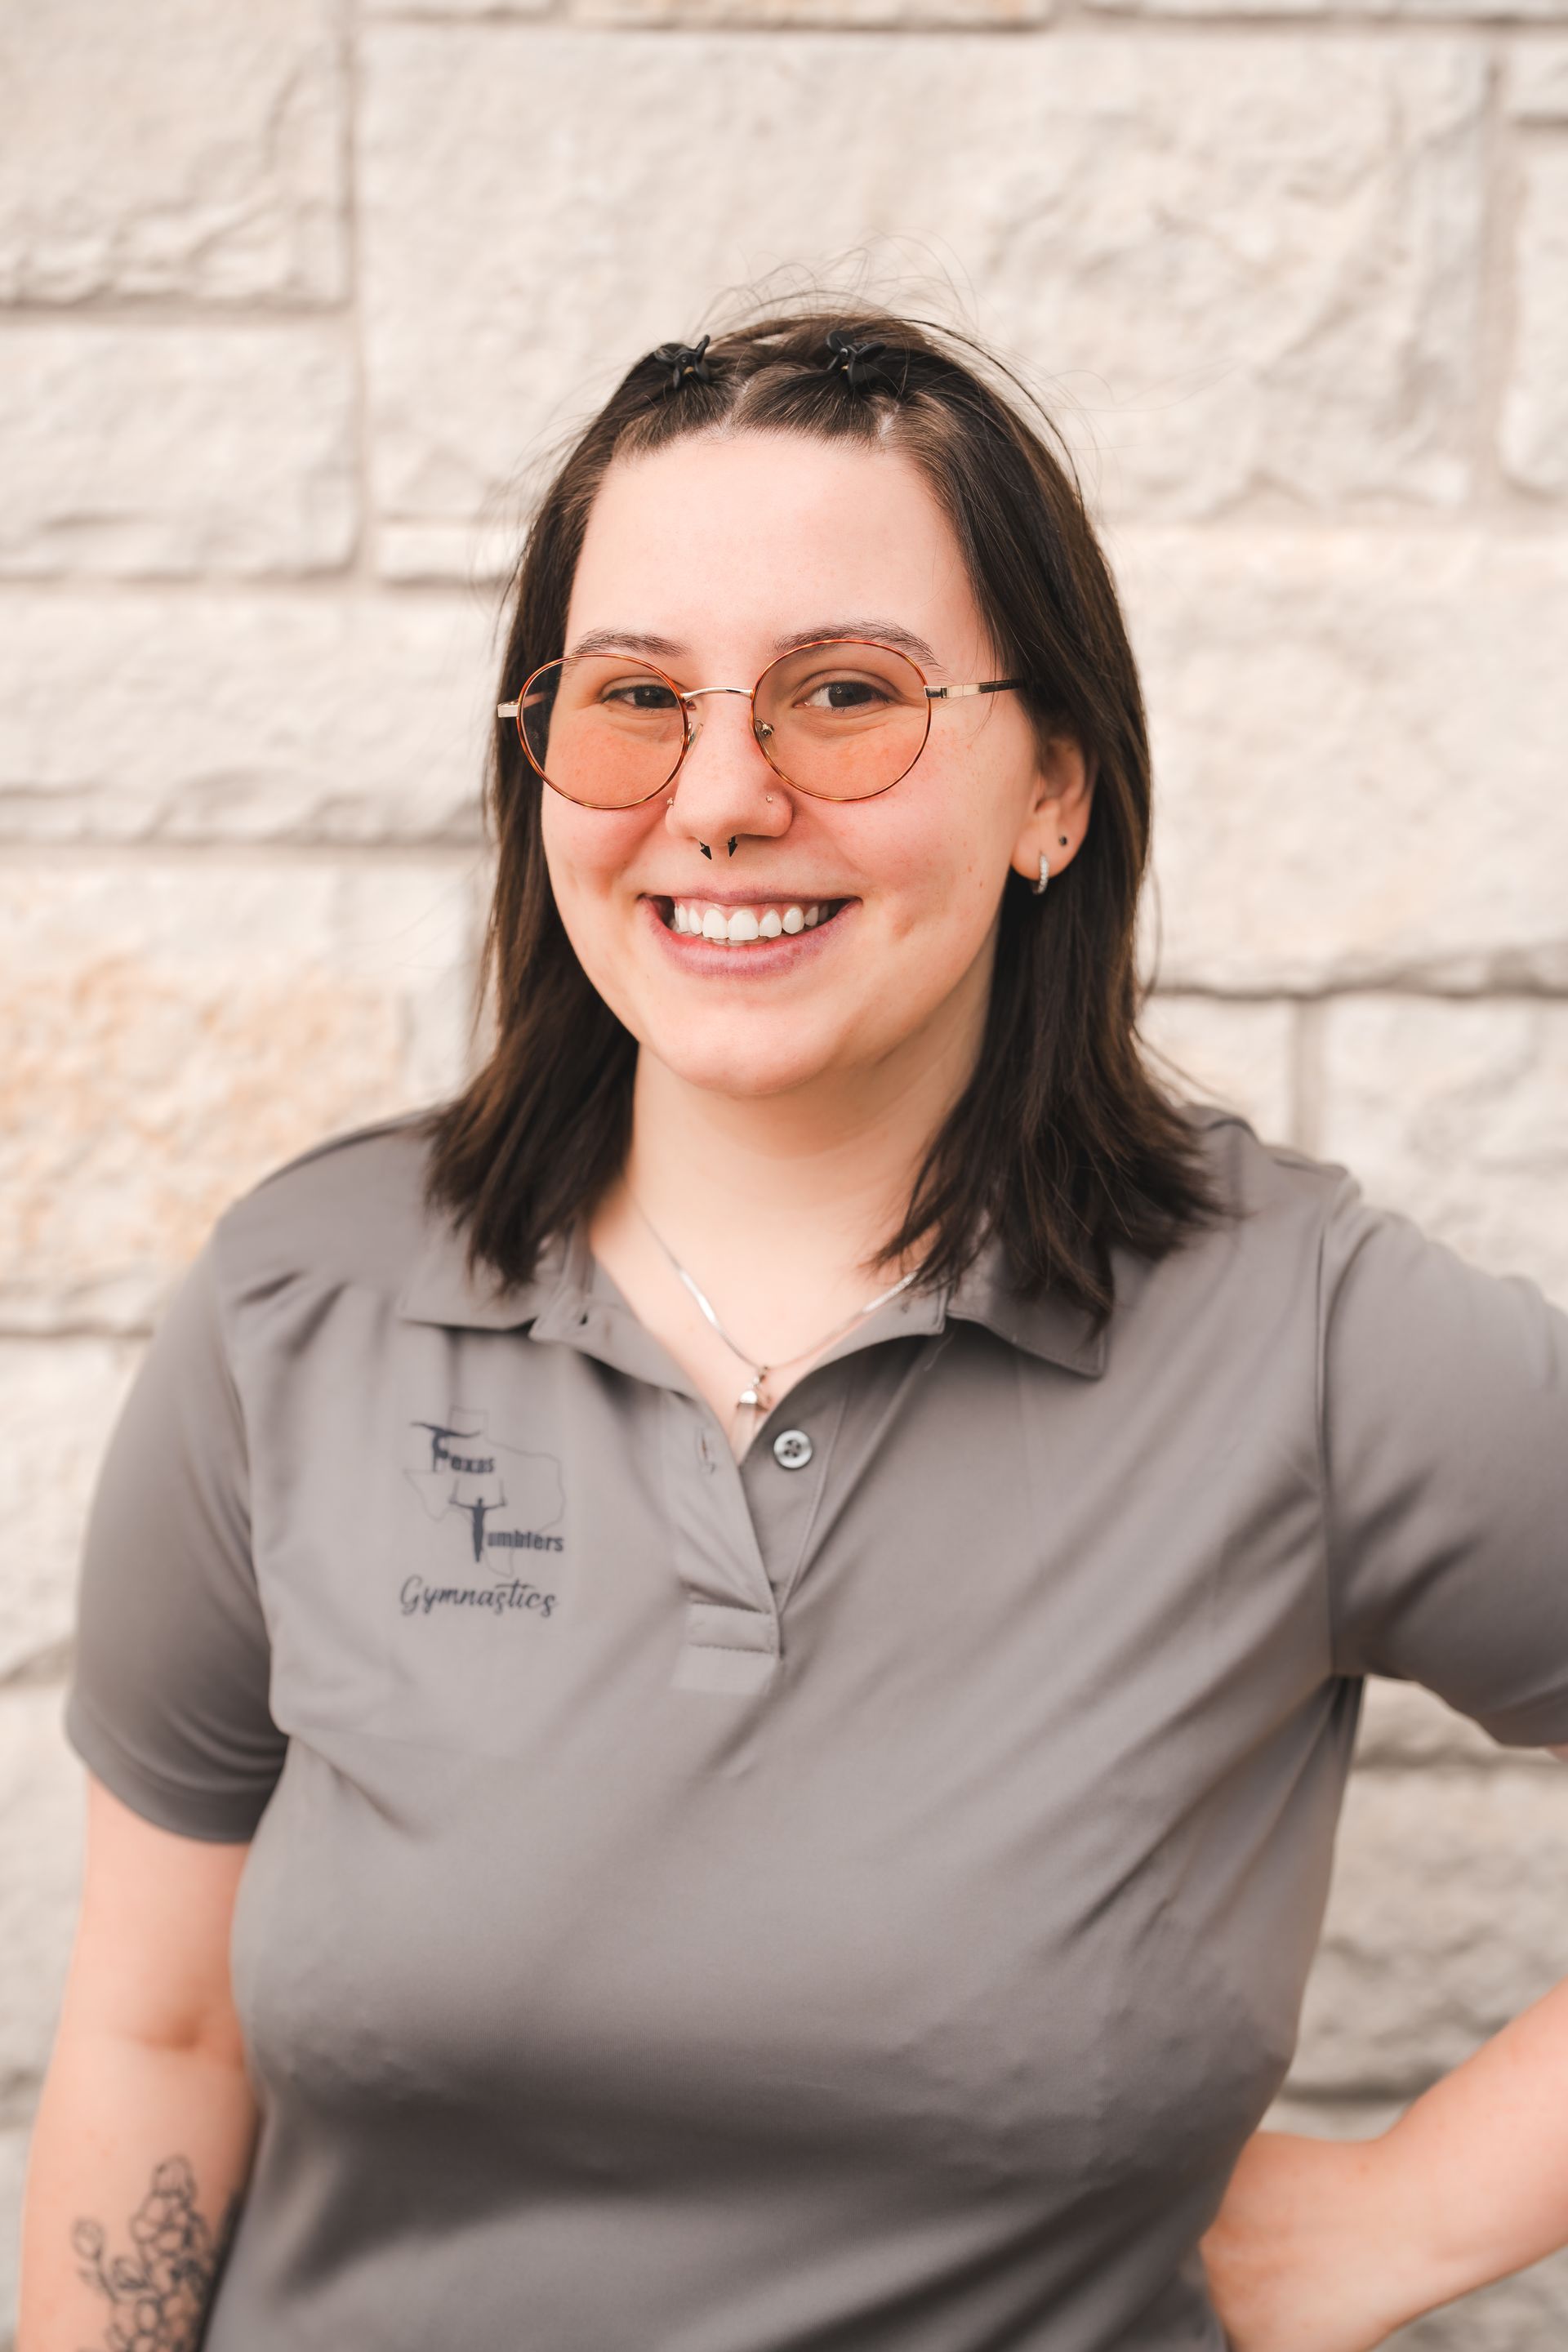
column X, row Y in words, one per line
column 637, row 694
column 844, row 694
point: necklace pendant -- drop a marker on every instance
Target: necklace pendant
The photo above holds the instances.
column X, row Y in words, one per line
column 749, row 1396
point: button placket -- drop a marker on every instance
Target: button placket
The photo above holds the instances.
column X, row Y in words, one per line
column 785, row 1491
column 732, row 1640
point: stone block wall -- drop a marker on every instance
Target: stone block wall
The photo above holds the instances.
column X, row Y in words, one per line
column 294, row 299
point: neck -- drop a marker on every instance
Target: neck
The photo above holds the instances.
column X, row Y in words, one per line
column 817, row 1176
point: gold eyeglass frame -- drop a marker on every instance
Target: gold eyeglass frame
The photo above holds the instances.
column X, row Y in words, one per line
column 687, row 695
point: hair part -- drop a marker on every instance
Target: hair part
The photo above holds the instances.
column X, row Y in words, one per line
column 1062, row 1143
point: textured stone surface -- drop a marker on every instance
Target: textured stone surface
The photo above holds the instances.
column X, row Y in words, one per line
column 1457, row 1113
column 42, row 1806
column 1240, row 269
column 1426, row 12
column 971, row 15
column 1358, row 763
column 1449, row 1914
column 1238, row 1055
column 58, row 1403
column 1535, row 78
column 177, row 1028
column 179, row 147
column 162, row 715
column 1401, row 1723
column 145, row 448
column 1535, row 407
column 13, row 2165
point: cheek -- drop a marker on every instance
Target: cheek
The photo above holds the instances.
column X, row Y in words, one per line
column 587, row 851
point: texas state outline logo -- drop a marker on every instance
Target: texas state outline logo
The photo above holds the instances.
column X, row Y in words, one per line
column 501, row 1503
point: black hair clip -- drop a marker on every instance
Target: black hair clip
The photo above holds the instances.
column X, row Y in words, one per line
column 683, row 360
column 858, row 361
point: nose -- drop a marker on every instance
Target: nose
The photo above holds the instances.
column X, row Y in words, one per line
column 724, row 787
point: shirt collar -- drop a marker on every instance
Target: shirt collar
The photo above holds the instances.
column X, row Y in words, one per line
column 561, row 1295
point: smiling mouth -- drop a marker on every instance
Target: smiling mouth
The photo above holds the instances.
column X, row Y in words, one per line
column 764, row 918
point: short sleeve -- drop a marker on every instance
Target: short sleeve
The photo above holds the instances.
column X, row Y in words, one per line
column 167, row 1701
column 1445, row 1429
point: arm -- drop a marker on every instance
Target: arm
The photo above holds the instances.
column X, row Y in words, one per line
column 1329, row 2246
column 146, row 2127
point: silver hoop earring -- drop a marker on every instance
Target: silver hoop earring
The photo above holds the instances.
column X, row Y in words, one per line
column 1045, row 875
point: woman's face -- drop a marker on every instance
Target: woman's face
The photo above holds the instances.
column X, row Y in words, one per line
column 707, row 557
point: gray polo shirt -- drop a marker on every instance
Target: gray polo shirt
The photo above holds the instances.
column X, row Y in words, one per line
column 856, row 1898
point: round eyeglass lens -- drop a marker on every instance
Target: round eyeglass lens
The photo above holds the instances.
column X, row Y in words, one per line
column 603, row 730
column 842, row 719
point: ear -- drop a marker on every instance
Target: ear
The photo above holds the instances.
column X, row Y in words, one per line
column 1064, row 788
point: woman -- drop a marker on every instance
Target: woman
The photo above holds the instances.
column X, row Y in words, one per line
column 757, row 1623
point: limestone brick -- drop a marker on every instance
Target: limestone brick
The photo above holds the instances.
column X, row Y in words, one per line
column 42, row 1815
column 975, row 15
column 131, row 447
column 1426, row 12
column 1456, row 1112
column 177, row 1027
column 183, row 147
column 161, row 715
column 1240, row 270
column 1237, row 1054
column 1358, row 777
column 1535, row 78
column 58, row 1402
column 1536, row 405
column 1446, row 1916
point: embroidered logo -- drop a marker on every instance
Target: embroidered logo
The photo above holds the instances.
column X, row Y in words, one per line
column 500, row 1500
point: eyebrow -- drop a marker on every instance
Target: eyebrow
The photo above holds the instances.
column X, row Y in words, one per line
column 640, row 641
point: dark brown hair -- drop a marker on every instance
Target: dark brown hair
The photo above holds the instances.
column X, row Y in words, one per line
column 1062, row 1143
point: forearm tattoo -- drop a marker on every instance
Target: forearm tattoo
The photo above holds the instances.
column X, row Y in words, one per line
column 161, row 2294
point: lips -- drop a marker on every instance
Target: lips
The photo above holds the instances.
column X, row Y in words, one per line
column 740, row 934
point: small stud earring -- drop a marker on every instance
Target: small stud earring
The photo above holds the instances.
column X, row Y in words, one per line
column 1045, row 875
column 1063, row 839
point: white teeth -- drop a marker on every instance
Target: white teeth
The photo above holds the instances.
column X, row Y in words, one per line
column 692, row 920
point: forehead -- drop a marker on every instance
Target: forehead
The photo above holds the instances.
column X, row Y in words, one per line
column 749, row 523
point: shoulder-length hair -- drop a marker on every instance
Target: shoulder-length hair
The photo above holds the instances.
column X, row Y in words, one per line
column 1061, row 1144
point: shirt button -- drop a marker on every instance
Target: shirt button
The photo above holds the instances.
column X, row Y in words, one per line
column 791, row 1449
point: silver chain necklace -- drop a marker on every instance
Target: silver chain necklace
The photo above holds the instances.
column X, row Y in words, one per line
column 754, row 1397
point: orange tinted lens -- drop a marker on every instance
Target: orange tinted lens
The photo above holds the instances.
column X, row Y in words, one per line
column 604, row 731
column 844, row 719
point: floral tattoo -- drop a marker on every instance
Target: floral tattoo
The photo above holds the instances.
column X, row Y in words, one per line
column 160, row 2292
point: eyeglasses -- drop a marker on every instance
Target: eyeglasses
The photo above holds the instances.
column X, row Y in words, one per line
column 841, row 719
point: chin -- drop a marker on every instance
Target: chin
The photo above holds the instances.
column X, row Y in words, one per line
column 735, row 1058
